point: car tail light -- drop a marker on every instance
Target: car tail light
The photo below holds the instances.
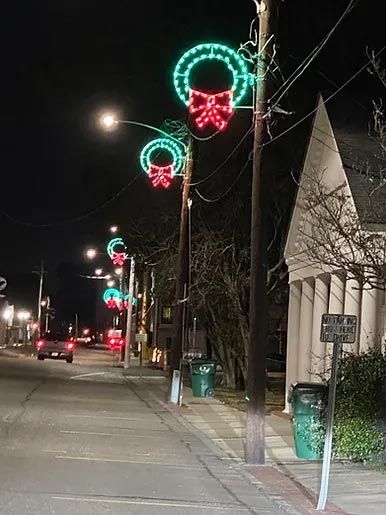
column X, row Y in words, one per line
column 112, row 340
column 70, row 345
column 40, row 343
column 121, row 341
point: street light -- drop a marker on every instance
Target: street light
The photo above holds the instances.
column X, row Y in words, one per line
column 7, row 313
column 91, row 253
column 23, row 315
column 98, row 271
column 110, row 283
column 118, row 271
column 108, row 120
column 114, row 229
column 43, row 303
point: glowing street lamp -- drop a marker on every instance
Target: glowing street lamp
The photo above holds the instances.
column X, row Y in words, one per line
column 98, row 271
column 7, row 313
column 24, row 315
column 108, row 120
column 110, row 283
column 118, row 271
column 114, row 229
column 91, row 253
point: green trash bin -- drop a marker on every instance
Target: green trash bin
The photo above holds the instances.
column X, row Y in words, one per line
column 203, row 373
column 307, row 401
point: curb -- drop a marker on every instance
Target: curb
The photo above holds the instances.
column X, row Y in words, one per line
column 288, row 494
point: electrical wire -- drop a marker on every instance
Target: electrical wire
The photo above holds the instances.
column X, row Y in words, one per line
column 228, row 189
column 275, row 138
column 312, row 56
column 249, row 130
column 207, row 138
column 78, row 218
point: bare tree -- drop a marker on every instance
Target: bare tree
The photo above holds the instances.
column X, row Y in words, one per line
column 334, row 235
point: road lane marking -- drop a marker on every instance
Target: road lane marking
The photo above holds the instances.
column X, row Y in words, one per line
column 125, row 435
column 101, row 417
column 134, row 462
column 94, row 433
column 160, row 503
column 88, row 375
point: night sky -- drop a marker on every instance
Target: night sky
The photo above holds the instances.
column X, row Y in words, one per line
column 64, row 62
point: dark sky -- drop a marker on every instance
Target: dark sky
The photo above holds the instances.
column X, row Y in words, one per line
column 63, row 62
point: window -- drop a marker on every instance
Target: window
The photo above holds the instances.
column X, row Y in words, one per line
column 166, row 315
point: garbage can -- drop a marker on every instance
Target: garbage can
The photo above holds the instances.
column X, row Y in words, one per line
column 203, row 375
column 307, row 401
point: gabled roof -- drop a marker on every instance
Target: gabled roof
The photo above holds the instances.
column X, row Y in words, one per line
column 342, row 151
column 365, row 167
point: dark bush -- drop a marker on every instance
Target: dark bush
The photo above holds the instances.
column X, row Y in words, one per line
column 358, row 410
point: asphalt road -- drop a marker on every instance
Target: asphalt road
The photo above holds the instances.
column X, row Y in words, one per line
column 83, row 439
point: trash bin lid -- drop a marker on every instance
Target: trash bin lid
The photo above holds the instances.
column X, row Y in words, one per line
column 310, row 386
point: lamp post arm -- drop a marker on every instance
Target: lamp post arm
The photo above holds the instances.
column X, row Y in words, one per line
column 146, row 126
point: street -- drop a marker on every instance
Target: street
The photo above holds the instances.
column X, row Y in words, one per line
column 83, row 438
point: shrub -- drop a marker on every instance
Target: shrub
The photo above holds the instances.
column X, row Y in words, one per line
column 358, row 410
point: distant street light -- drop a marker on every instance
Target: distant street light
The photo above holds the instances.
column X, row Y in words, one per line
column 98, row 271
column 7, row 313
column 114, row 229
column 118, row 271
column 23, row 315
column 110, row 283
column 91, row 253
column 43, row 303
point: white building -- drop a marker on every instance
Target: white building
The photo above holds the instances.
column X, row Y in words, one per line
column 316, row 288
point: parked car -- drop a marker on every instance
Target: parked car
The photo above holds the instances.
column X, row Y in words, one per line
column 115, row 344
column 55, row 346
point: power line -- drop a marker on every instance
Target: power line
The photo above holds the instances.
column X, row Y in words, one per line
column 228, row 189
column 275, row 138
column 325, row 101
column 250, row 129
column 78, row 218
column 312, row 56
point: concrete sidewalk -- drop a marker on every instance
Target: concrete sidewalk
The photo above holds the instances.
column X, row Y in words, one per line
column 353, row 488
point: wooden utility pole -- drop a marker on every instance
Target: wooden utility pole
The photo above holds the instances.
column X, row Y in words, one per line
column 258, row 313
column 182, row 263
column 40, row 295
column 129, row 312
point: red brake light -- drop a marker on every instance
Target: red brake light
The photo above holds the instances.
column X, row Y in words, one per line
column 122, row 341
column 70, row 345
column 112, row 340
column 40, row 343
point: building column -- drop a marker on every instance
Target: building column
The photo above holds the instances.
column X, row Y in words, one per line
column 292, row 337
column 352, row 306
column 318, row 350
column 337, row 290
column 368, row 338
column 305, row 336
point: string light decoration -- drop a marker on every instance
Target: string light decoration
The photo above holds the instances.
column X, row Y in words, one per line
column 115, row 299
column 118, row 258
column 162, row 176
column 206, row 108
column 112, row 298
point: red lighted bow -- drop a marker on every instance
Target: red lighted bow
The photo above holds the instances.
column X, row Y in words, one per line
column 215, row 109
column 111, row 303
column 119, row 258
column 161, row 175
